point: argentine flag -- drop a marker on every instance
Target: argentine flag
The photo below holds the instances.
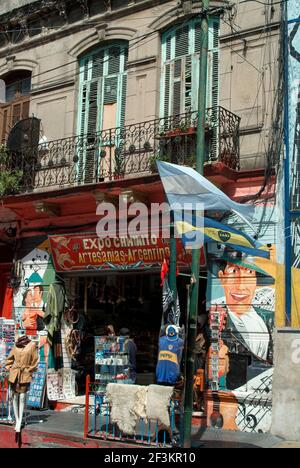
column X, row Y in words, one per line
column 187, row 190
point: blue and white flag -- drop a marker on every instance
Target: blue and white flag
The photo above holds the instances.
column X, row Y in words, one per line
column 212, row 231
column 184, row 188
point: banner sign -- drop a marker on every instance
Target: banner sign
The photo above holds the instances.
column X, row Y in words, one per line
column 81, row 252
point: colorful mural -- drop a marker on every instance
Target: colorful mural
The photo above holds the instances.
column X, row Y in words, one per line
column 242, row 300
column 30, row 297
column 294, row 145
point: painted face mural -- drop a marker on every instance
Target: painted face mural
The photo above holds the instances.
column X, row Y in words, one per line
column 239, row 285
column 32, row 318
column 29, row 299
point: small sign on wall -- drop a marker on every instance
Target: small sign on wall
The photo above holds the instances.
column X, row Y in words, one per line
column 37, row 390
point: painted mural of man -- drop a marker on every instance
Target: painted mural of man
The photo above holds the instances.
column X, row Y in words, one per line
column 240, row 283
column 33, row 314
column 38, row 296
column 249, row 304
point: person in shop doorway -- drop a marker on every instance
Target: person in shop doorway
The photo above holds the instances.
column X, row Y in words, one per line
column 21, row 364
column 131, row 349
column 110, row 330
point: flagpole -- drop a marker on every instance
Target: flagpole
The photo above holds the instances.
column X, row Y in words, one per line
column 173, row 260
column 194, row 297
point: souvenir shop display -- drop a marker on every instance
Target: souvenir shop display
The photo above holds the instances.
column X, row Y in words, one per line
column 55, row 386
column 111, row 360
column 7, row 341
column 21, row 364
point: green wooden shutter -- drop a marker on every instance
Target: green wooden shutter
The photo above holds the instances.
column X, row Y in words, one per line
column 93, row 107
column 123, row 100
column 176, row 106
column 180, row 68
column 213, row 67
column 182, row 41
column 213, row 87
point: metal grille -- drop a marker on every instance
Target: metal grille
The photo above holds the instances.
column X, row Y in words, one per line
column 99, row 424
column 60, row 163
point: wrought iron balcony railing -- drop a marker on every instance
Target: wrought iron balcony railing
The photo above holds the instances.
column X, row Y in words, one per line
column 129, row 151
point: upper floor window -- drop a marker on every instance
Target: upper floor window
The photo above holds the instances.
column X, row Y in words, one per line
column 17, row 101
column 180, row 68
column 103, row 84
column 17, row 89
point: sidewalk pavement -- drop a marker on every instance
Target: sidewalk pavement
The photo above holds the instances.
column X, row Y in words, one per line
column 287, row 444
column 216, row 438
column 50, row 429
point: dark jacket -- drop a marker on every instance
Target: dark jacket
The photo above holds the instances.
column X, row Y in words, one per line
column 131, row 348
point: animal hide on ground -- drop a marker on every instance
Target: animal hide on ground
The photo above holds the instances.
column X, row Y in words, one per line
column 158, row 403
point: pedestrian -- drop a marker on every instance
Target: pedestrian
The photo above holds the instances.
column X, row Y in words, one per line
column 110, row 330
column 131, row 349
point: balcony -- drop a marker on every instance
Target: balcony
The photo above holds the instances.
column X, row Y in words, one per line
column 128, row 152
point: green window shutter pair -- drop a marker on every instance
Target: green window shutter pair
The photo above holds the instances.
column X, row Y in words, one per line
column 180, row 68
column 102, row 81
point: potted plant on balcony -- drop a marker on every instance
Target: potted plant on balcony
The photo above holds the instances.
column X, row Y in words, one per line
column 119, row 169
column 153, row 160
column 10, row 179
column 181, row 128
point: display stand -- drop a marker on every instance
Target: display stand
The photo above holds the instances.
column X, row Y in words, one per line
column 7, row 340
column 111, row 361
column 37, row 392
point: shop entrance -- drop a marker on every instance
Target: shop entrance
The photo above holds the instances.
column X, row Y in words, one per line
column 130, row 300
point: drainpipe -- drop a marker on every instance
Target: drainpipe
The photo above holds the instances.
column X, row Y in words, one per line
column 287, row 223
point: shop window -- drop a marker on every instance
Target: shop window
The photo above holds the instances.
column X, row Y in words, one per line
column 180, row 68
column 16, row 102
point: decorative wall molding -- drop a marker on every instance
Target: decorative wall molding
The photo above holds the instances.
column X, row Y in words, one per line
column 12, row 64
column 101, row 33
column 37, row 90
column 179, row 13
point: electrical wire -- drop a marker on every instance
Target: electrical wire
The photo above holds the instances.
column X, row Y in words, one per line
column 130, row 47
column 263, row 3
